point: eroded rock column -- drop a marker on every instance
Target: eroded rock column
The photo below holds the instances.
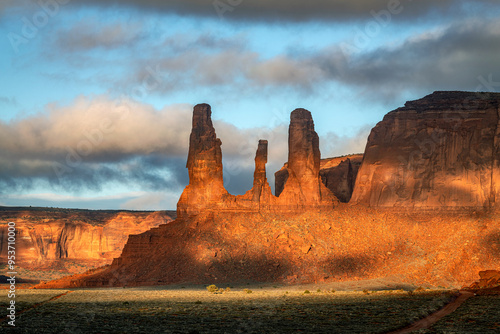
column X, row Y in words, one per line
column 204, row 163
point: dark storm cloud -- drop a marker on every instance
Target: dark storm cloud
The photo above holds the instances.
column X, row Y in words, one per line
column 295, row 10
column 281, row 10
column 463, row 56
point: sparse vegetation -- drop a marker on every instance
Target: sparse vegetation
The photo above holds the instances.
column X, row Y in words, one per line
column 212, row 288
column 106, row 310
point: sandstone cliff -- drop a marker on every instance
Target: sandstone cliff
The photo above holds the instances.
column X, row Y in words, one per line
column 303, row 186
column 54, row 238
column 441, row 151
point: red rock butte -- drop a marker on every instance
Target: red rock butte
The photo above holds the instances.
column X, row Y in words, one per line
column 439, row 152
column 423, row 206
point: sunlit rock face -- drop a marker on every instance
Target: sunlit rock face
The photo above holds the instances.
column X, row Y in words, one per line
column 206, row 192
column 303, row 186
column 204, row 164
column 293, row 238
column 441, row 151
column 57, row 236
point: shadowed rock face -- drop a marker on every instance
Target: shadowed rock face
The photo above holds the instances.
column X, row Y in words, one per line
column 441, row 151
column 303, row 155
column 339, row 175
column 259, row 176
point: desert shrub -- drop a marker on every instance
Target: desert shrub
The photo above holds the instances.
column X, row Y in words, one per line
column 366, row 292
column 212, row 288
column 307, row 292
column 247, row 290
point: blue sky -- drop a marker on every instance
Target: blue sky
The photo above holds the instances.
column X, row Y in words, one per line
column 96, row 96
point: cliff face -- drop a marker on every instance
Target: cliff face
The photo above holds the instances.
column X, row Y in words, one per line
column 45, row 237
column 303, row 189
column 441, row 151
column 337, row 174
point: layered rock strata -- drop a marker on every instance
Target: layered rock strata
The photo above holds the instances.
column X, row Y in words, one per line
column 441, row 151
column 47, row 238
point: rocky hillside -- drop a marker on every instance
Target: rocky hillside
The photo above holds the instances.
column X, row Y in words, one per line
column 349, row 243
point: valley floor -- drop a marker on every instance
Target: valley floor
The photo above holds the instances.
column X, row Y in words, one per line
column 249, row 308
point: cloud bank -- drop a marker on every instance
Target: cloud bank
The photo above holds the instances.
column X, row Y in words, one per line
column 95, row 143
column 296, row 10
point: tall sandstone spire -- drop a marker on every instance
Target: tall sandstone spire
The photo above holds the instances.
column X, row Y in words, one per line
column 303, row 186
column 204, row 164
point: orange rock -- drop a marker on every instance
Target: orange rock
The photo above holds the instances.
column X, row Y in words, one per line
column 441, row 151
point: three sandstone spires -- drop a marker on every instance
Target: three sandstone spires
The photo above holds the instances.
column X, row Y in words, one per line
column 303, row 188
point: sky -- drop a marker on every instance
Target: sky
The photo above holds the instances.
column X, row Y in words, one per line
column 96, row 97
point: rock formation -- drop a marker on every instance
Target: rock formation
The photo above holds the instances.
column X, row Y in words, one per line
column 303, row 186
column 55, row 238
column 204, row 164
column 441, row 151
column 337, row 174
column 488, row 284
column 206, row 192
column 293, row 238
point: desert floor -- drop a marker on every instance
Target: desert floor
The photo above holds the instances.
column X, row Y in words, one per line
column 351, row 307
